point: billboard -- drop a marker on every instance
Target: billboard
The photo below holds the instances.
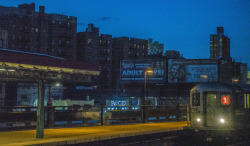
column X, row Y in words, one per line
column 134, row 71
column 192, row 70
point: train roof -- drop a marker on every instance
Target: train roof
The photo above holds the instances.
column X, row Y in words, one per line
column 215, row 86
column 244, row 87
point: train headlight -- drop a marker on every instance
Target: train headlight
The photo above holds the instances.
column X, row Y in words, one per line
column 222, row 121
column 198, row 119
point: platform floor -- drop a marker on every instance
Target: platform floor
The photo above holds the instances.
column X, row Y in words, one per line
column 61, row 136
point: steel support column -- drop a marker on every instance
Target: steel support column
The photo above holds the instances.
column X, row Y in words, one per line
column 40, row 110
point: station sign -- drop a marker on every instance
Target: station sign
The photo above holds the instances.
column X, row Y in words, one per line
column 117, row 102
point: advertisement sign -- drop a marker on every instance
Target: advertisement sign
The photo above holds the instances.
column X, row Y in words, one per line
column 192, row 70
column 134, row 71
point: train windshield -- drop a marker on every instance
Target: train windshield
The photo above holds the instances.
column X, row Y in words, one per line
column 196, row 99
column 210, row 108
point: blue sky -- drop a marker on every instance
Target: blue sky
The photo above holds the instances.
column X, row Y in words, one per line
column 183, row 25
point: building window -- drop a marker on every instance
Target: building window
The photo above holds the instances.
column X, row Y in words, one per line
column 89, row 41
column 36, row 29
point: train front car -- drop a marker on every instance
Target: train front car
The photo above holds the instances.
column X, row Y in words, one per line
column 212, row 106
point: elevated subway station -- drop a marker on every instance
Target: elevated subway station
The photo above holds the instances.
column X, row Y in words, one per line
column 17, row 68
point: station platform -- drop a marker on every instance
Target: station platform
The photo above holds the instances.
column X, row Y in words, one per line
column 64, row 136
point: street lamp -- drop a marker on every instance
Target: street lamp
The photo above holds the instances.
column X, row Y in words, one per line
column 145, row 92
column 235, row 80
column 203, row 77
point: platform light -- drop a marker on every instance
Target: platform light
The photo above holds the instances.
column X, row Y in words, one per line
column 222, row 120
column 11, row 70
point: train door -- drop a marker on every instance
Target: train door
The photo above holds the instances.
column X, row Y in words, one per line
column 210, row 107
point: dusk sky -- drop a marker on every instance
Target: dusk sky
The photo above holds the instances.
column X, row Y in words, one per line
column 182, row 25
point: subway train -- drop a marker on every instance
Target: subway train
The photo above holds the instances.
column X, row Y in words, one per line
column 219, row 106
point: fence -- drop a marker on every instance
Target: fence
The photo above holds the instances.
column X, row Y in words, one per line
column 65, row 116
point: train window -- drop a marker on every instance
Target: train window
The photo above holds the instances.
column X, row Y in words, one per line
column 246, row 100
column 196, row 99
column 225, row 99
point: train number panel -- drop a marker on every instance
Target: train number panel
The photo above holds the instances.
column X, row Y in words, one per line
column 225, row 100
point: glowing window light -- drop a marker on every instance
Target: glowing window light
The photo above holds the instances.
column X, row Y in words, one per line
column 11, row 70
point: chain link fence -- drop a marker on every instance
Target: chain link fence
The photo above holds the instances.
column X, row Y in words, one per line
column 67, row 116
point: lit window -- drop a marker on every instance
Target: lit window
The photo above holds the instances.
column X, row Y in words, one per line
column 246, row 100
column 37, row 30
column 89, row 41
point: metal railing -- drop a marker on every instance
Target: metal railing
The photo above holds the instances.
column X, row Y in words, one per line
column 66, row 116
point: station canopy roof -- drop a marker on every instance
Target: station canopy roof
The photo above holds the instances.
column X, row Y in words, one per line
column 17, row 59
